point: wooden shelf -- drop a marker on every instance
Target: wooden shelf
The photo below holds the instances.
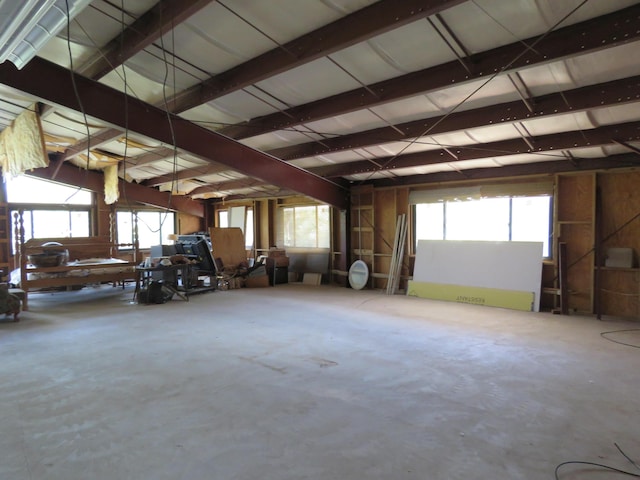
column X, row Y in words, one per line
column 618, row 269
column 362, row 207
column 574, row 222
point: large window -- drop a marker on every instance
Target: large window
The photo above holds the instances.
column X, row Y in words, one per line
column 50, row 209
column 521, row 218
column 240, row 217
column 306, row 226
column 154, row 227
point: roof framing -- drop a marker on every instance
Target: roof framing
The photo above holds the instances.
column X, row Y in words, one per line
column 627, row 160
column 140, row 34
column 50, row 82
column 607, row 31
column 544, row 144
column 94, row 181
column 602, row 95
column 358, row 26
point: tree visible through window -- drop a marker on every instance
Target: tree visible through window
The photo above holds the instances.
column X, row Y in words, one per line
column 306, row 226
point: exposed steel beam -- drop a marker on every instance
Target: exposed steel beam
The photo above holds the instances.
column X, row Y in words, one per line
column 544, row 144
column 95, row 141
column 606, row 31
column 626, row 160
column 607, row 94
column 94, row 181
column 186, row 174
column 50, row 82
column 627, row 146
column 140, row 34
column 235, row 184
column 149, row 157
column 356, row 27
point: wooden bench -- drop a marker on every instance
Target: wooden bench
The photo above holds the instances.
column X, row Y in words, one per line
column 92, row 260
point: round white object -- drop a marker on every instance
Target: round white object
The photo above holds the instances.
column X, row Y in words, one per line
column 358, row 275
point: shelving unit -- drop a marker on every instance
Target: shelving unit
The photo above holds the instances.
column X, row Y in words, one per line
column 363, row 227
column 617, row 289
column 595, row 212
column 575, row 226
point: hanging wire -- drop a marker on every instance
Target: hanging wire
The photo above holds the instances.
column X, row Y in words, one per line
column 169, row 119
column 126, row 106
column 480, row 87
column 77, row 94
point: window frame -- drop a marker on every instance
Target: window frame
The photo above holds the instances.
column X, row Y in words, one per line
column 318, row 236
column 135, row 212
column 414, row 219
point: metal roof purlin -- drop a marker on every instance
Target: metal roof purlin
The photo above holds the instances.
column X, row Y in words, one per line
column 360, row 25
column 544, row 145
column 51, row 83
column 140, row 34
column 582, row 38
column 602, row 95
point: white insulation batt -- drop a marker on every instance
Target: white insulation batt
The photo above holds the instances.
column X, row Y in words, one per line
column 22, row 145
column 111, row 192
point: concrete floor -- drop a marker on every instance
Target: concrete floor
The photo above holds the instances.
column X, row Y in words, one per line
column 299, row 382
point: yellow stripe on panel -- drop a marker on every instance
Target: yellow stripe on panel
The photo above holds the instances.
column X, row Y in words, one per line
column 491, row 297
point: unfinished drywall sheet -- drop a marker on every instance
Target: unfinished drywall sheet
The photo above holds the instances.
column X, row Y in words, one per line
column 508, row 266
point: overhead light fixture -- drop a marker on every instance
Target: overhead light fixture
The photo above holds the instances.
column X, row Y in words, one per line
column 25, row 26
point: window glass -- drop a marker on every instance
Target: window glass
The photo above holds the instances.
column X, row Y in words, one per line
column 223, row 218
column 26, row 189
column 79, row 224
column 492, row 219
column 124, row 225
column 324, row 226
column 248, row 229
column 306, row 226
column 289, row 227
column 154, row 227
column 530, row 220
column 486, row 219
column 149, row 229
column 431, row 224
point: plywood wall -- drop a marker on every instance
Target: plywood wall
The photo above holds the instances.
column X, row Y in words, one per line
column 368, row 229
column 619, row 291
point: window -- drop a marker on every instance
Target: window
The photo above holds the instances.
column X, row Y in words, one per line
column 154, row 227
column 526, row 218
column 30, row 190
column 306, row 226
column 223, row 218
column 50, row 209
column 248, row 229
column 243, row 219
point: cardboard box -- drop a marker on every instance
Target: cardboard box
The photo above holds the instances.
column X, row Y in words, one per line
column 257, row 281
